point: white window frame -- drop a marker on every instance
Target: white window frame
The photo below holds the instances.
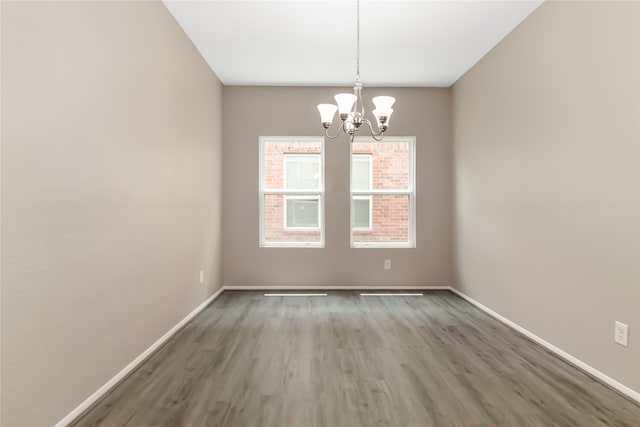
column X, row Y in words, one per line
column 284, row 192
column 410, row 192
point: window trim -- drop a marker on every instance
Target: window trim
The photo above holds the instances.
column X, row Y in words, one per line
column 410, row 192
column 263, row 192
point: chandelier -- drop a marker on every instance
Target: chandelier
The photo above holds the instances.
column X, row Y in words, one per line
column 351, row 109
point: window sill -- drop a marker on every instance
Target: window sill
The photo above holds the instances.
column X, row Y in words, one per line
column 292, row 245
column 393, row 245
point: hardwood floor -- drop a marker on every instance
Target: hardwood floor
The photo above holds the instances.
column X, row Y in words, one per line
column 347, row 360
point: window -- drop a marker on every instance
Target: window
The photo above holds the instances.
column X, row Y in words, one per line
column 291, row 192
column 383, row 192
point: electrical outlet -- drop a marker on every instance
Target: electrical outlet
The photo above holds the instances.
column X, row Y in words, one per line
column 201, row 276
column 621, row 334
column 387, row 264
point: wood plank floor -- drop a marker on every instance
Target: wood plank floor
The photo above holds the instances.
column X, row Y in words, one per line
column 347, row 360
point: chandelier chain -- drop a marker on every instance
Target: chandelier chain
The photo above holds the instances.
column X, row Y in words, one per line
column 358, row 41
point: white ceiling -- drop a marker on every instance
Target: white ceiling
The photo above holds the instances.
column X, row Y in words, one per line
column 313, row 43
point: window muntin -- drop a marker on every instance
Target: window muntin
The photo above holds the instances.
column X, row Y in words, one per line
column 291, row 192
column 390, row 193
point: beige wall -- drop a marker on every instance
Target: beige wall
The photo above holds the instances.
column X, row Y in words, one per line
column 286, row 111
column 546, row 180
column 111, row 193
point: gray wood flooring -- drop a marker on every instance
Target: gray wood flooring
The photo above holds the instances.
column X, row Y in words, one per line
column 347, row 360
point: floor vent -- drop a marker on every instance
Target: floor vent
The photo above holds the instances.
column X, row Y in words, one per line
column 391, row 294
column 295, row 295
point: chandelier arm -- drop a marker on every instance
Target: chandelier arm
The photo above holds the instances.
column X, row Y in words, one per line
column 373, row 132
column 378, row 139
column 326, row 132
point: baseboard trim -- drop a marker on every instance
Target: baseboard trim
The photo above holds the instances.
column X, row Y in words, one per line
column 95, row 397
column 331, row 288
column 621, row 388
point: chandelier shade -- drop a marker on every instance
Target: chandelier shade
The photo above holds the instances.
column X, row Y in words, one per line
column 345, row 102
column 380, row 115
column 351, row 109
column 327, row 111
column 383, row 104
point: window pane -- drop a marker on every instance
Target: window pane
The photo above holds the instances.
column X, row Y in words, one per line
column 273, row 164
column 390, row 163
column 303, row 212
column 361, row 212
column 389, row 222
column 273, row 223
column 361, row 172
column 302, row 171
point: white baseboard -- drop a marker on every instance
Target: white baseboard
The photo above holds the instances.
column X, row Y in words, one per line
column 331, row 288
column 632, row 394
column 134, row 364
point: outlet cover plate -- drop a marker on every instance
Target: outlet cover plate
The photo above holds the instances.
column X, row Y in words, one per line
column 621, row 334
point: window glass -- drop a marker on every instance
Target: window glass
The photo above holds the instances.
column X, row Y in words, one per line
column 302, row 171
column 303, row 212
column 361, row 172
column 362, row 212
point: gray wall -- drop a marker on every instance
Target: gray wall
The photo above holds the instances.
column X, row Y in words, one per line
column 111, row 192
column 546, row 180
column 250, row 112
